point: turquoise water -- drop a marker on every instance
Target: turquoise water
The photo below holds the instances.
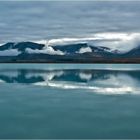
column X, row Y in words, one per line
column 69, row 101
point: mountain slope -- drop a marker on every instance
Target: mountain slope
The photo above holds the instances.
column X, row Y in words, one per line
column 71, row 53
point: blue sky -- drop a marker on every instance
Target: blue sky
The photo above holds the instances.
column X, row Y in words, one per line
column 32, row 20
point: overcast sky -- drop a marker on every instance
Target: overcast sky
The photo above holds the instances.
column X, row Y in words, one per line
column 20, row 21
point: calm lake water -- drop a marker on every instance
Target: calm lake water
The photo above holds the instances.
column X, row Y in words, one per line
column 69, row 101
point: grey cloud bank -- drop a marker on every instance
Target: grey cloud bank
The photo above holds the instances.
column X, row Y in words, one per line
column 34, row 20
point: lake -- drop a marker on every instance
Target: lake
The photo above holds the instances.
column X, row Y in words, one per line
column 69, row 101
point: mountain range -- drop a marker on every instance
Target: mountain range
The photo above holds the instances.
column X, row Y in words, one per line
column 67, row 53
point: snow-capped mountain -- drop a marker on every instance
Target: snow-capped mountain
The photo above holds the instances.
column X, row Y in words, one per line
column 74, row 52
column 31, row 47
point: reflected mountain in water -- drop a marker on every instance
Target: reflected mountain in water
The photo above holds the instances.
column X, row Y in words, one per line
column 98, row 81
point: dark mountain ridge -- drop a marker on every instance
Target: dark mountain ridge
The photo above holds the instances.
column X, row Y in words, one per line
column 71, row 53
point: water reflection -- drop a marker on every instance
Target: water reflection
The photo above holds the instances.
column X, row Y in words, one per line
column 99, row 81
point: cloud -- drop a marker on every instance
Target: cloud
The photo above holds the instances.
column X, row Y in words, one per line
column 32, row 20
column 85, row 50
column 46, row 50
column 113, row 40
column 120, row 41
column 10, row 52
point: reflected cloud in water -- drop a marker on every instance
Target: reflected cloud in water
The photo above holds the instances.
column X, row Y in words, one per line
column 96, row 81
